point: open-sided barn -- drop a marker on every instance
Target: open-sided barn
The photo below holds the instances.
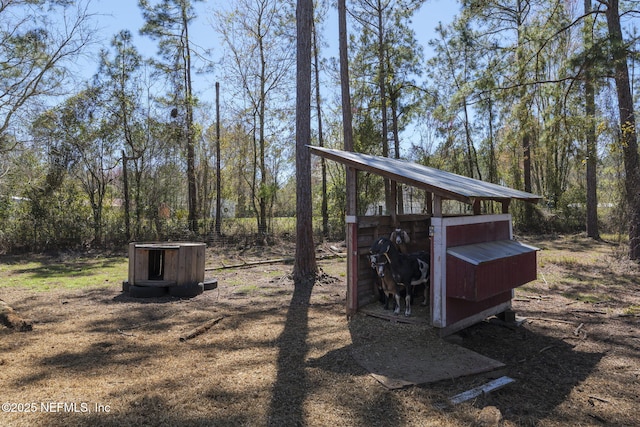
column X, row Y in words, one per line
column 475, row 261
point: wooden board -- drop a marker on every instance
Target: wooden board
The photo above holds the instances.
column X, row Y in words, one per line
column 399, row 355
column 493, row 385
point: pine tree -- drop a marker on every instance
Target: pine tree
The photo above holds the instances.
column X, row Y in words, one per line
column 168, row 22
column 305, row 268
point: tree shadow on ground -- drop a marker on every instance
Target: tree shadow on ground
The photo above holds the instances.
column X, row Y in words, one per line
column 546, row 370
column 291, row 384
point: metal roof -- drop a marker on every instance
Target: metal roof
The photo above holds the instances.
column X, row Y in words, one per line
column 445, row 184
column 479, row 253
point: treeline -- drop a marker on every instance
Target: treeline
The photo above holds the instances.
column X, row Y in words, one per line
column 528, row 94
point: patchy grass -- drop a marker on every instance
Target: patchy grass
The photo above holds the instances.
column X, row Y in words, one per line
column 567, row 261
column 45, row 273
column 332, row 268
column 632, row 310
column 247, row 290
column 618, row 238
column 588, row 298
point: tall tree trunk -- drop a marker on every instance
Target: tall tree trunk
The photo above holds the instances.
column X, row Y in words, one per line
column 472, row 156
column 629, row 139
column 137, row 197
column 524, row 113
column 390, row 193
column 262, row 192
column 393, row 100
column 493, row 166
column 351, row 175
column 592, row 154
column 218, row 224
column 305, row 267
column 191, row 152
column 125, row 185
column 254, row 171
column 324, row 208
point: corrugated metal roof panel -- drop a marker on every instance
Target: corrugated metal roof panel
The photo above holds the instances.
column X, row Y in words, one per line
column 445, row 184
column 479, row 253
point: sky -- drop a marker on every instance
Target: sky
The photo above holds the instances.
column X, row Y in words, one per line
column 116, row 15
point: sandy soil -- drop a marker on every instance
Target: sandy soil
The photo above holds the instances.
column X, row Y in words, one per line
column 98, row 357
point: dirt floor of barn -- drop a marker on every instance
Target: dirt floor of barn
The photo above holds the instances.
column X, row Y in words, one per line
column 98, row 357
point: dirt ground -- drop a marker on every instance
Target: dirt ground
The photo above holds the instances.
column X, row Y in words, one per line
column 96, row 357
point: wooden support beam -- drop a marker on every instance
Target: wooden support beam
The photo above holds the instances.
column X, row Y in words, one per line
column 505, row 206
column 394, row 203
column 437, row 206
column 429, row 203
column 476, row 207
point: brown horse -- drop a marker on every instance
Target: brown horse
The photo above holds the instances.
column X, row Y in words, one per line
column 408, row 270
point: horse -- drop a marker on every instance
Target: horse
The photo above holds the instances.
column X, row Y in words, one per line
column 408, row 270
column 388, row 287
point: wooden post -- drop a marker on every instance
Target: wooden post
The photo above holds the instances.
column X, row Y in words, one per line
column 352, row 266
column 437, row 205
column 476, row 206
column 429, row 201
column 505, row 206
column 352, row 244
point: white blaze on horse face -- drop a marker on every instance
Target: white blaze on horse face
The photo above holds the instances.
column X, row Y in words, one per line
column 380, row 269
column 376, row 265
column 398, row 234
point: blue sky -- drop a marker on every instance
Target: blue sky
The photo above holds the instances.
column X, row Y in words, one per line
column 116, row 15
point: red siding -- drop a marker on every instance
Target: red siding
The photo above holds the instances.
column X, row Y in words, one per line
column 479, row 282
column 467, row 234
column 459, row 309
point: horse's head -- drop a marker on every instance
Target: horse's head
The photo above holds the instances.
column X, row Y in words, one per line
column 379, row 263
column 380, row 246
column 379, row 255
column 399, row 236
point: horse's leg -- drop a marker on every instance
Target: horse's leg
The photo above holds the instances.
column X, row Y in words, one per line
column 388, row 298
column 426, row 294
column 407, row 300
column 397, row 298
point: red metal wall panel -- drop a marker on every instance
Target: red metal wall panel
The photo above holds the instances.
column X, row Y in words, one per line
column 459, row 309
column 479, row 282
column 467, row 234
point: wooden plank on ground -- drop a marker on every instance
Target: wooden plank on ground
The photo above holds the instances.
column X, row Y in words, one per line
column 10, row 319
column 496, row 384
column 201, row 329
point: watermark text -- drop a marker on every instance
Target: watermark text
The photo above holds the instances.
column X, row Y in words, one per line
column 55, row 406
